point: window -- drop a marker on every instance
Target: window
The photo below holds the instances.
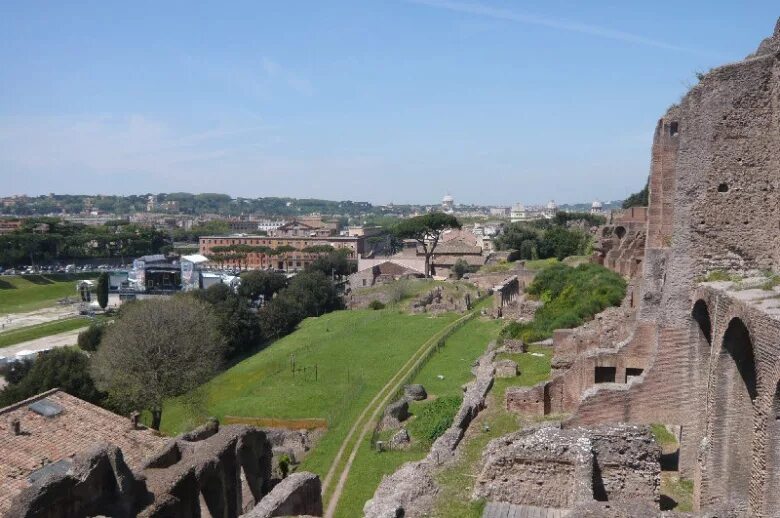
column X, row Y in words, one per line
column 605, row 374
column 632, row 373
column 724, row 187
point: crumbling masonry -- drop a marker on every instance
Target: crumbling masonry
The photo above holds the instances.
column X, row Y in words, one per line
column 703, row 356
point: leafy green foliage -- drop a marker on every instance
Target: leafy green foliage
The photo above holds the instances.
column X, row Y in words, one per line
column 426, row 230
column 66, row 368
column 376, row 305
column 237, row 324
column 310, row 293
column 334, row 263
column 89, row 339
column 545, row 239
column 638, row 199
column 571, row 296
column 434, row 418
column 63, row 241
column 460, row 268
column 102, row 290
column 255, row 283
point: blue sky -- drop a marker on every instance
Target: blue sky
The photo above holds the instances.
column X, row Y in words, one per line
column 395, row 100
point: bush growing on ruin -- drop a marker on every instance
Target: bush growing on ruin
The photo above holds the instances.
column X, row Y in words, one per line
column 66, row 368
column 89, row 339
column 571, row 296
column 376, row 305
column 155, row 350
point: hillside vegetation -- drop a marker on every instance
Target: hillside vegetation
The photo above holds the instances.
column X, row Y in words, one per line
column 571, row 296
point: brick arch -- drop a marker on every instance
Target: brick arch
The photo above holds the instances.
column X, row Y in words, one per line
column 701, row 316
column 731, row 426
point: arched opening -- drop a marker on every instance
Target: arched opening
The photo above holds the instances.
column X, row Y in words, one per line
column 772, row 483
column 724, row 187
column 731, row 427
column 701, row 315
column 620, row 232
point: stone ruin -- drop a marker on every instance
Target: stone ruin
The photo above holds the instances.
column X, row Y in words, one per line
column 215, row 472
column 696, row 346
column 551, row 468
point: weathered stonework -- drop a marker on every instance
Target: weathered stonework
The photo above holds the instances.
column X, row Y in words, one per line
column 704, row 357
column 559, row 469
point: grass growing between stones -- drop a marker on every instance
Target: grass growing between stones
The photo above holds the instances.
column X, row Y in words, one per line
column 456, row 482
column 24, row 334
column 679, row 490
column 21, row 293
column 442, row 376
column 663, row 437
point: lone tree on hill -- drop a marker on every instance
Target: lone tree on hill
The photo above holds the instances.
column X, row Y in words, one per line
column 426, row 230
column 157, row 349
column 102, row 290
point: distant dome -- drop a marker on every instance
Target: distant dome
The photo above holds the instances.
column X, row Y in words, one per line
column 596, row 205
column 552, row 205
column 447, row 199
column 518, row 207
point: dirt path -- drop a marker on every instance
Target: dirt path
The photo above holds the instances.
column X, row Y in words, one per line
column 39, row 316
column 41, row 344
column 377, row 405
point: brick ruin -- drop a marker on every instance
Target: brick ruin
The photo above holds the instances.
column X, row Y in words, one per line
column 63, row 457
column 681, row 351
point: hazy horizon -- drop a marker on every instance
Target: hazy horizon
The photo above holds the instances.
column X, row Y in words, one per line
column 396, row 101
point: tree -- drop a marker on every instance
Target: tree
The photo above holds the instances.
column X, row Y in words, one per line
column 158, row 349
column 334, row 263
column 89, row 339
column 66, row 368
column 237, row 324
column 102, row 290
column 259, row 282
column 426, row 230
column 460, row 268
column 560, row 242
column 638, row 199
column 514, row 236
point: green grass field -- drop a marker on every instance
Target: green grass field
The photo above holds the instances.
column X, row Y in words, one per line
column 21, row 293
column 453, row 362
column 24, row 334
column 355, row 353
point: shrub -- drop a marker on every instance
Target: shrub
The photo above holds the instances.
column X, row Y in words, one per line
column 434, row 418
column 376, row 305
column 89, row 339
column 571, row 296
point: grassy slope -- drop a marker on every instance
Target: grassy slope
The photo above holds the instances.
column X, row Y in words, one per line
column 356, row 352
column 30, row 292
column 453, row 362
column 457, row 481
column 25, row 334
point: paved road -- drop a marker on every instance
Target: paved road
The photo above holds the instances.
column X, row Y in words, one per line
column 39, row 344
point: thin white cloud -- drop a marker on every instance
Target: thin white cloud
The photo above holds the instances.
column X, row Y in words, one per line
column 487, row 11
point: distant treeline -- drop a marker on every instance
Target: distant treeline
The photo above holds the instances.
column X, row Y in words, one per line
column 192, row 204
column 47, row 240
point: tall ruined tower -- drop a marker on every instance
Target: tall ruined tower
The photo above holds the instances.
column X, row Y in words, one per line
column 709, row 351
